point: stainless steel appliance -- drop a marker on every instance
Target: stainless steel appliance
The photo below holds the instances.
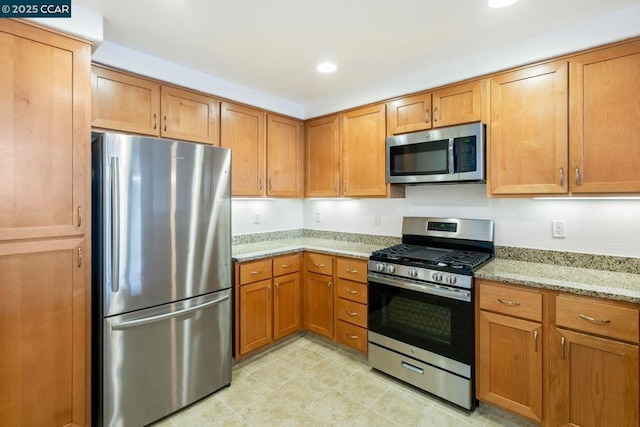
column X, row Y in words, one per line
column 161, row 284
column 421, row 327
column 448, row 154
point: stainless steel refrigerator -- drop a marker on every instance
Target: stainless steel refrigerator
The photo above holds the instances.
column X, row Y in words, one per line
column 161, row 285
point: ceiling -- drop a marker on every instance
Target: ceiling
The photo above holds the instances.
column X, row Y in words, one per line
column 274, row 46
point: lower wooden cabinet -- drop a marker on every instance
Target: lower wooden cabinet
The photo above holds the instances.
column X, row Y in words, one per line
column 318, row 304
column 256, row 315
column 286, row 305
column 351, row 312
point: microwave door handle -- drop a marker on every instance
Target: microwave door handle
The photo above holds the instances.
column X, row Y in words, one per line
column 451, row 165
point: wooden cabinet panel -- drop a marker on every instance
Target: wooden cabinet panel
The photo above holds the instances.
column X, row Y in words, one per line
column 286, row 305
column 605, row 120
column 462, row 103
column 284, row 157
column 256, row 315
column 124, row 102
column 353, row 291
column 409, row 114
column 593, row 382
column 352, row 336
column 242, row 130
column 597, row 317
column 189, row 116
column 352, row 269
column 318, row 263
column 318, row 304
column 528, row 131
column 322, row 157
column 44, row 133
column 510, row 300
column 42, row 301
column 510, row 364
column 255, row 270
column 351, row 312
column 363, row 152
column 286, row 264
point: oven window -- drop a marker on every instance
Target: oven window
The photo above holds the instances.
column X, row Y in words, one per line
column 423, row 320
column 428, row 158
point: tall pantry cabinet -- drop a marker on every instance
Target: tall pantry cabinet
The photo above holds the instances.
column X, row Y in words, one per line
column 44, row 234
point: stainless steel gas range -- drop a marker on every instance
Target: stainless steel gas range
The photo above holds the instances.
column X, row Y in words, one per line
column 421, row 327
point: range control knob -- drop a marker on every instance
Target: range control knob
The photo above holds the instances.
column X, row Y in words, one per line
column 413, row 272
column 437, row 277
column 391, row 268
column 380, row 267
column 451, row 280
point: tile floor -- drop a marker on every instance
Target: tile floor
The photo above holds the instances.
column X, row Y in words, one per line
column 307, row 382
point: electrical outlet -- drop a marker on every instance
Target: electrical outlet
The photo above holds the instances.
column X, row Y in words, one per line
column 558, row 228
column 318, row 216
column 256, row 218
column 376, row 220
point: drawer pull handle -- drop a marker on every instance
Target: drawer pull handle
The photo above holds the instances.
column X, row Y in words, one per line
column 510, row 303
column 594, row 320
column 351, row 271
column 535, row 341
column 318, row 265
column 351, row 313
column 353, row 337
column 562, row 345
column 286, row 265
column 352, row 292
column 412, row 368
column 254, row 272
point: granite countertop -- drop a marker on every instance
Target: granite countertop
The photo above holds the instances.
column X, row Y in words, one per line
column 583, row 281
column 254, row 251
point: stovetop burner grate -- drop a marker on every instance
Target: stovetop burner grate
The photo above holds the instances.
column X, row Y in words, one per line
column 464, row 260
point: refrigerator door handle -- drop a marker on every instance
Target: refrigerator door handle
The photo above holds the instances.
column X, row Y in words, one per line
column 144, row 321
column 115, row 224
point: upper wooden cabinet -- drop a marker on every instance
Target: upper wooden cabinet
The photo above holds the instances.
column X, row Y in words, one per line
column 363, row 152
column 133, row 104
column 528, row 131
column 456, row 104
column 322, row 157
column 284, row 157
column 45, row 181
column 604, row 89
column 243, row 131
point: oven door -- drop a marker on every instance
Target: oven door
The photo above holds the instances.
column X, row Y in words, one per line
column 431, row 317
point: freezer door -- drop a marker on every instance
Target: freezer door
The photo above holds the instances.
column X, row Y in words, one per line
column 164, row 221
column 159, row 360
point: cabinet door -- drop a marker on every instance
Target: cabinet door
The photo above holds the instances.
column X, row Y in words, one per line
column 528, row 131
column 42, row 333
column 318, row 304
column 44, row 133
column 286, row 305
column 124, row 102
column 189, row 116
column 605, row 120
column 509, row 361
column 409, row 114
column 256, row 315
column 322, row 157
column 284, row 157
column 242, row 130
column 363, row 152
column 593, row 381
column 459, row 104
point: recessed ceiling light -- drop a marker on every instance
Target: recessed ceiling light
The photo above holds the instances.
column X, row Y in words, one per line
column 326, row 67
column 501, row 3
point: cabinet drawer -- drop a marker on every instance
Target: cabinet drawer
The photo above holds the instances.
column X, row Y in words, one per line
column 597, row 317
column 352, row 269
column 511, row 301
column 351, row 335
column 351, row 312
column 353, row 291
column 319, row 263
column 286, row 264
column 256, row 270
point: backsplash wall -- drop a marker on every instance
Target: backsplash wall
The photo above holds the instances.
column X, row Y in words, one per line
column 608, row 227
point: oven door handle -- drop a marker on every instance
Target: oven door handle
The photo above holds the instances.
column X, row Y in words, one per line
column 422, row 287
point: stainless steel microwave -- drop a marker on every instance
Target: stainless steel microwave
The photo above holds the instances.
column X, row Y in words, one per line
column 449, row 154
